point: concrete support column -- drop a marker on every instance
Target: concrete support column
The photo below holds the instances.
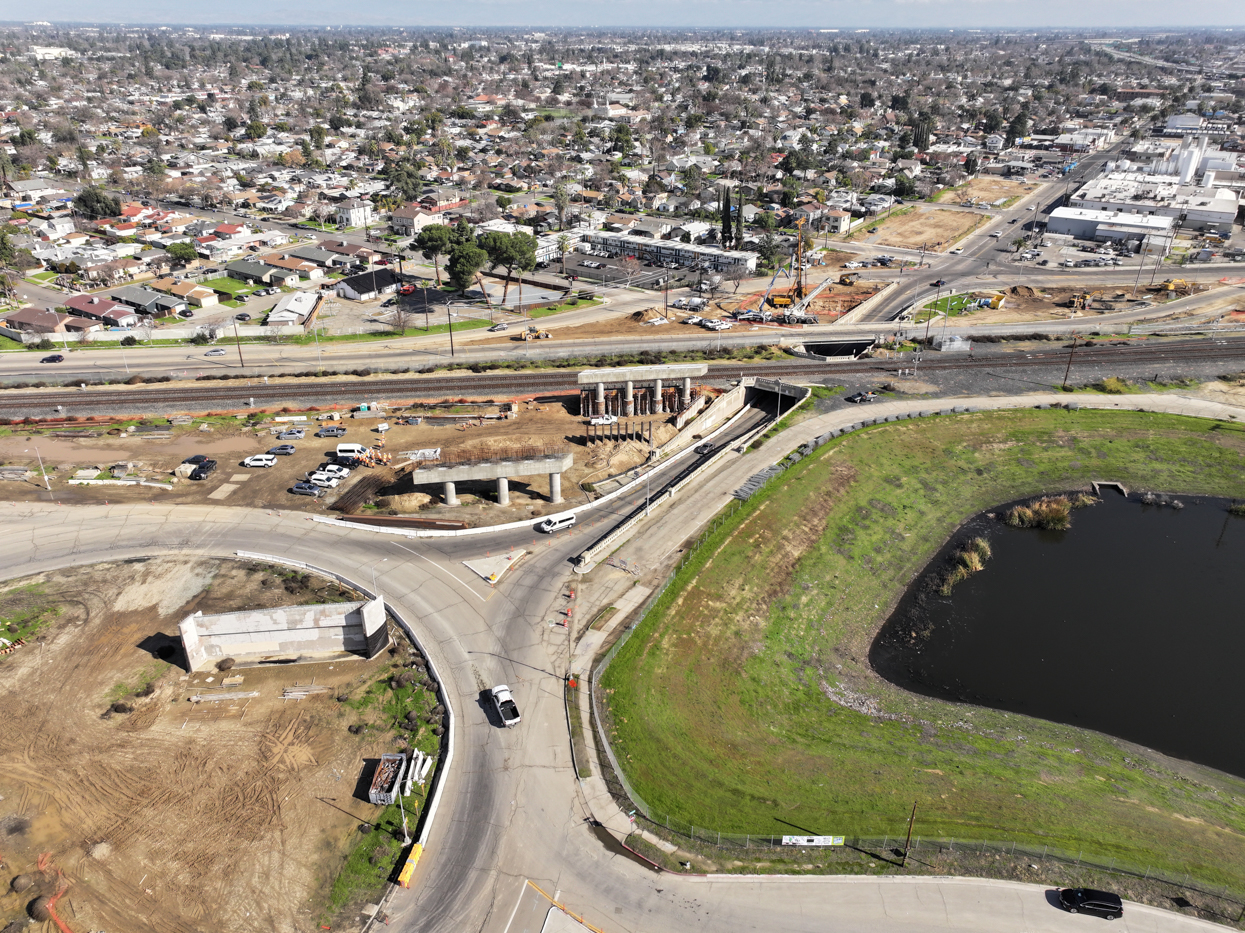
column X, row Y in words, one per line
column 503, row 491
column 600, row 405
column 450, row 498
column 657, row 406
column 555, row 487
column 629, row 399
column 685, row 397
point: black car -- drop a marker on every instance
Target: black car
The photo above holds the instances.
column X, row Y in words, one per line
column 196, row 459
column 282, row 450
column 204, row 469
column 705, row 449
column 938, row 283
column 350, row 463
column 306, row 489
column 242, row 317
column 860, row 397
column 1089, row 901
column 54, row 358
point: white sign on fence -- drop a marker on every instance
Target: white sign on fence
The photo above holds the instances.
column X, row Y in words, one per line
column 812, row 840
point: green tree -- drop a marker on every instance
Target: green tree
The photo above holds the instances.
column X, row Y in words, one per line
column 182, row 251
column 432, row 241
column 255, row 130
column 466, row 259
column 404, row 179
column 767, row 249
column 620, row 140
column 564, row 247
column 725, row 204
column 509, row 251
column 561, row 203
column 26, row 137
column 92, row 203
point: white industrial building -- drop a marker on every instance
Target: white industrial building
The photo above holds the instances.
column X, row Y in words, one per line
column 1152, row 233
column 1197, row 207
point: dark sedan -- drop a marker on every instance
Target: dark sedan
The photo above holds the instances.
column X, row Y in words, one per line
column 1089, row 901
column 54, row 358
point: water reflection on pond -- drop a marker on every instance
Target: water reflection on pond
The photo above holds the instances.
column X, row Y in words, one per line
column 1130, row 624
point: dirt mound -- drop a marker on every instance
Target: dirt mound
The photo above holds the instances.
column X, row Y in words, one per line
column 100, row 851
column 22, row 883
column 39, row 909
column 1022, row 291
column 648, row 314
column 404, row 502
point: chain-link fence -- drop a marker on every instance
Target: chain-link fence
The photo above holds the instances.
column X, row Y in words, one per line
column 636, row 807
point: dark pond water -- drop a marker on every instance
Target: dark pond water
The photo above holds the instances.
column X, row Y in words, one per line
column 1131, row 623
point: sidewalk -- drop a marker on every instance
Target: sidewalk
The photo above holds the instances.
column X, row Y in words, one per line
column 676, row 521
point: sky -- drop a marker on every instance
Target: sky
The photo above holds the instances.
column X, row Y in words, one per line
column 825, row 14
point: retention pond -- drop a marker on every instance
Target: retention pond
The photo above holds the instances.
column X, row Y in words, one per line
column 1129, row 623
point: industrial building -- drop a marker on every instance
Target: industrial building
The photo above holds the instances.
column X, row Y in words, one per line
column 1149, row 232
column 285, row 635
column 1204, row 208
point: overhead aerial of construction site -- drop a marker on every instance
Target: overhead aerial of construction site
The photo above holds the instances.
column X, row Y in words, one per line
column 188, row 744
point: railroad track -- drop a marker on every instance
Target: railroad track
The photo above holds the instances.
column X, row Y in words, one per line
column 501, row 385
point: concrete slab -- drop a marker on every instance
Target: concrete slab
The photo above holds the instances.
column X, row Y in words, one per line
column 559, row 921
column 491, row 569
column 222, row 492
column 239, row 477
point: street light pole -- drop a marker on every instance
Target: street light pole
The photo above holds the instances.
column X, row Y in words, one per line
column 41, row 472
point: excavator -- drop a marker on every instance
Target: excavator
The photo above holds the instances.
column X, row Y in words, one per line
column 849, row 278
column 1175, row 285
column 1084, row 301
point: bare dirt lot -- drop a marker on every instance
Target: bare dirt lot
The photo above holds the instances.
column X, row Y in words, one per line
column 551, row 422
column 1025, row 303
column 986, row 189
column 173, row 816
column 936, row 230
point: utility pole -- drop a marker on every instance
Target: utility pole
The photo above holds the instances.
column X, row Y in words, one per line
column 1069, row 369
column 908, row 841
column 449, row 322
column 238, row 343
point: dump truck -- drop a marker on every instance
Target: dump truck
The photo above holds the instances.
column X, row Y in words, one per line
column 387, row 779
column 506, row 707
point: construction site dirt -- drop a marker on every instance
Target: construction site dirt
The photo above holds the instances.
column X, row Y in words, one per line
column 457, row 427
column 1028, row 303
column 162, row 815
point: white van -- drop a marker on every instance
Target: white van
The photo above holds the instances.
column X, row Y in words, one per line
column 350, row 450
column 555, row 523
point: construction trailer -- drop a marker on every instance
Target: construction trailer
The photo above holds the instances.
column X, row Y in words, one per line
column 386, row 782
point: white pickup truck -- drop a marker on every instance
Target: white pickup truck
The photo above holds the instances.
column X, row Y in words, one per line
column 506, row 707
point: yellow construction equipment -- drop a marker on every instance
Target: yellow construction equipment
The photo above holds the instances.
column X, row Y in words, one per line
column 1084, row 301
column 996, row 301
column 1172, row 285
column 849, row 278
column 782, row 299
column 534, row 333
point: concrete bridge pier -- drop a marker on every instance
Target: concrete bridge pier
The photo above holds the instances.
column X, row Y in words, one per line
column 658, row 407
column 555, row 488
column 450, row 498
column 503, row 491
column 685, row 397
column 629, row 399
column 600, row 403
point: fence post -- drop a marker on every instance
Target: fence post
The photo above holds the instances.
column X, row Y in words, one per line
column 746, row 838
column 1078, row 858
column 951, row 848
column 1013, row 847
column 1044, row 848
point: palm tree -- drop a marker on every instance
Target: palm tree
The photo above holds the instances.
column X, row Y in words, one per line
column 564, row 247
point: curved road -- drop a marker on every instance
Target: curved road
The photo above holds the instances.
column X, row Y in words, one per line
column 513, row 810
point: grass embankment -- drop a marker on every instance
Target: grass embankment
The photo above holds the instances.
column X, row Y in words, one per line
column 399, row 705
column 720, row 708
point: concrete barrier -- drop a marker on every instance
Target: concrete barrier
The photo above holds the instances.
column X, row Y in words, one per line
column 854, row 315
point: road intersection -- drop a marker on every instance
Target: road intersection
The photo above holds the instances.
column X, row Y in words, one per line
column 512, row 831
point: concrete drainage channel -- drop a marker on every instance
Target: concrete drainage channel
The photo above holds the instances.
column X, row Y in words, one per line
column 424, row 826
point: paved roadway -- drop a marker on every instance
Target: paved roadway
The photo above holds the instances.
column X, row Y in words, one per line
column 513, row 810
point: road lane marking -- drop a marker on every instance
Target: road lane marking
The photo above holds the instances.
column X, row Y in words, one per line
column 522, row 891
column 443, row 570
